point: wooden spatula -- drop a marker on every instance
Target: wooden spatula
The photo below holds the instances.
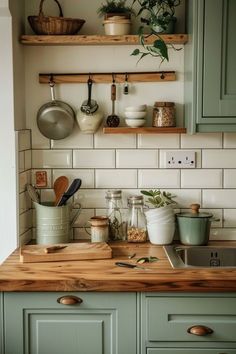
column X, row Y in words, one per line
column 60, row 186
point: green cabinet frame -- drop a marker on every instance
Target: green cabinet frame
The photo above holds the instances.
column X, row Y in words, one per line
column 210, row 66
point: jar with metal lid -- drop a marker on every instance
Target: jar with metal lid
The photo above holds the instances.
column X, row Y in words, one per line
column 163, row 114
column 136, row 228
column 115, row 213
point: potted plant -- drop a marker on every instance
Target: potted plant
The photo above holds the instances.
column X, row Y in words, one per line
column 161, row 218
column 117, row 17
column 158, row 18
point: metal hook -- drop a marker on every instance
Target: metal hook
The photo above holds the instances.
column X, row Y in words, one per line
column 162, row 76
column 113, row 78
column 51, row 81
column 126, row 86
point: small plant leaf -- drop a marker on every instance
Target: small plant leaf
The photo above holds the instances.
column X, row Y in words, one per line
column 135, row 52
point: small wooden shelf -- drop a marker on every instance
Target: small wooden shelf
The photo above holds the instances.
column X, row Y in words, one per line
column 99, row 39
column 144, row 130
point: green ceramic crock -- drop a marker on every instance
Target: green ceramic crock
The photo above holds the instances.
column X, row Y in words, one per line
column 194, row 227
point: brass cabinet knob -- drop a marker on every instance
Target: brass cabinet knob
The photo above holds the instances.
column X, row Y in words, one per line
column 69, row 300
column 199, row 330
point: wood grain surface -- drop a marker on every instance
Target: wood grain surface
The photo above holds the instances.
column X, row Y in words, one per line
column 104, row 275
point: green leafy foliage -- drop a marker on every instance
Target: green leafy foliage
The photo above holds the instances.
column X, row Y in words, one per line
column 158, row 199
column 114, row 6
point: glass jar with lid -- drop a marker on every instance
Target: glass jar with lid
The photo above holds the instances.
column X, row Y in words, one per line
column 163, row 114
column 115, row 213
column 136, row 228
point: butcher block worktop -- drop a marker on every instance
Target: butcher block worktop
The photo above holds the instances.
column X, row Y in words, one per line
column 104, row 275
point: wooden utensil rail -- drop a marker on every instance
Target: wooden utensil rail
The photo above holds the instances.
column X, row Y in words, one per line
column 120, row 77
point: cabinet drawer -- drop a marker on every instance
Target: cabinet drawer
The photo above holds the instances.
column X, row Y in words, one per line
column 189, row 351
column 169, row 318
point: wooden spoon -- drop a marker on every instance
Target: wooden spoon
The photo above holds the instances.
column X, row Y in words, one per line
column 60, row 186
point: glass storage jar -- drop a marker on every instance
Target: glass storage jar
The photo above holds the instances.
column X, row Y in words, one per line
column 115, row 213
column 163, row 114
column 136, row 228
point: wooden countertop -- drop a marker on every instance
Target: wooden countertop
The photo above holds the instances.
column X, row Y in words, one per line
column 104, row 275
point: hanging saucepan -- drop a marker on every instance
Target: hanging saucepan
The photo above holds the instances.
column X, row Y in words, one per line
column 194, row 226
column 55, row 119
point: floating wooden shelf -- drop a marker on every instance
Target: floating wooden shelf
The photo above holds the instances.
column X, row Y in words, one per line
column 146, row 76
column 99, row 39
column 144, row 130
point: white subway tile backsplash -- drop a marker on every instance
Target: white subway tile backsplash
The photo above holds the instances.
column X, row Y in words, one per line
column 218, row 158
column 116, row 178
column 24, row 178
column 163, row 164
column 86, row 175
column 223, row 234
column 219, row 198
column 229, row 178
column 25, row 221
column 28, row 155
column 21, row 161
column 230, row 140
column 158, row 178
column 24, row 140
column 91, row 198
column 24, row 202
column 94, row 158
column 113, row 141
column 200, row 178
column 136, row 158
column 185, row 197
column 76, row 140
column 229, row 217
column 25, row 237
column 201, row 140
column 165, row 141
column 79, row 233
column 84, row 216
column 47, row 195
column 51, row 159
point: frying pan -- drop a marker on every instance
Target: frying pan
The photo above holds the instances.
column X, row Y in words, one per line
column 55, row 119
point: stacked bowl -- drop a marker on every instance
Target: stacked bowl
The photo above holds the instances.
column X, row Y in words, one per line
column 135, row 115
column 161, row 225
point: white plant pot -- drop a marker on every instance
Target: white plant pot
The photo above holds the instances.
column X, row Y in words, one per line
column 120, row 28
column 165, row 211
column 161, row 234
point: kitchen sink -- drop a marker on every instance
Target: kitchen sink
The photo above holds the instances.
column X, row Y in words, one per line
column 201, row 256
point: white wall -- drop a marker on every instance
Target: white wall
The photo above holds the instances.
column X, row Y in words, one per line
column 8, row 193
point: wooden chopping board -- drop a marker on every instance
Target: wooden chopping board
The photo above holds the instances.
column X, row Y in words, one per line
column 72, row 251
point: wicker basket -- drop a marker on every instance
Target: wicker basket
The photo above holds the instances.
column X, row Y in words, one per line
column 54, row 25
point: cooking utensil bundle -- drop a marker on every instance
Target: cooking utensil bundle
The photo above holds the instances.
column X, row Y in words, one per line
column 63, row 191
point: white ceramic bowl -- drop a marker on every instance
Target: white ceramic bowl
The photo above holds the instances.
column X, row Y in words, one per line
column 135, row 115
column 139, row 108
column 161, row 234
column 134, row 123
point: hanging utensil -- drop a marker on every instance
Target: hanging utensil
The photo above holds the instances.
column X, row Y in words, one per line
column 55, row 119
column 75, row 185
column 32, row 193
column 89, row 106
column 113, row 120
column 126, row 85
column 60, row 186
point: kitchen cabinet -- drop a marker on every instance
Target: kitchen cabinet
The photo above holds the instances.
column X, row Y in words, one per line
column 210, row 65
column 188, row 323
column 58, row 323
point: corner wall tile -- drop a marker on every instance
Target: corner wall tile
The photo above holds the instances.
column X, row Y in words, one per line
column 230, row 178
column 24, row 140
column 199, row 178
column 94, row 158
column 25, row 237
column 51, row 159
column 230, row 140
column 229, row 217
column 24, row 202
column 201, row 140
column 28, row 156
column 171, row 141
column 136, row 158
column 24, row 178
column 218, row 158
column 219, row 198
column 159, row 178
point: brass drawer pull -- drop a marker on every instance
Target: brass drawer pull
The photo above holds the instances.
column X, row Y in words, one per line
column 69, row 300
column 199, row 330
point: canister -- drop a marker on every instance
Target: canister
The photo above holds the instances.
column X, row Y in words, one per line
column 163, row 114
column 194, row 226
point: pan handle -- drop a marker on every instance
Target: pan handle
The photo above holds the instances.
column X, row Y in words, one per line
column 90, row 83
column 52, row 84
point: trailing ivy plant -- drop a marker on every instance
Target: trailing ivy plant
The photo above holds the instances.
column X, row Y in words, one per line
column 158, row 14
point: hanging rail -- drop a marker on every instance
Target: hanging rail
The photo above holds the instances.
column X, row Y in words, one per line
column 120, row 77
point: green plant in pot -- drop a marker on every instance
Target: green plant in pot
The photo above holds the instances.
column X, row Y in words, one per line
column 157, row 16
column 160, row 218
column 117, row 17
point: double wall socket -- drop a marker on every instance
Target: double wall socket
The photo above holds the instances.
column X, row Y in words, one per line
column 180, row 159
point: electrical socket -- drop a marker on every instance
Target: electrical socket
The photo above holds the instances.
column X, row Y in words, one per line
column 180, row 159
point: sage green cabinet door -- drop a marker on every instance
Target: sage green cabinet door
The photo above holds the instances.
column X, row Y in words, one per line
column 104, row 323
column 1, row 323
column 190, row 351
